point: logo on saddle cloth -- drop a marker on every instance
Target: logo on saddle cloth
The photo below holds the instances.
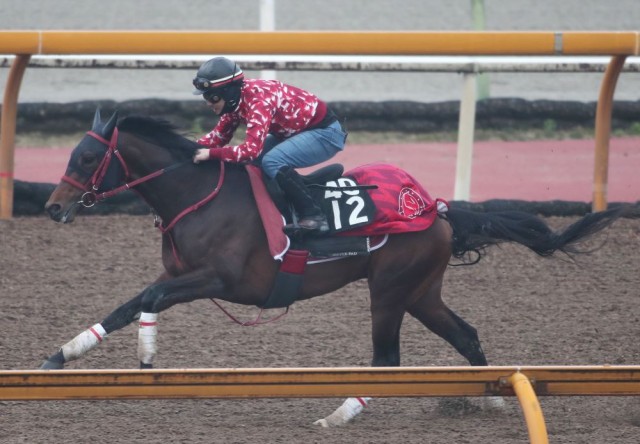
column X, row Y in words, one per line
column 410, row 203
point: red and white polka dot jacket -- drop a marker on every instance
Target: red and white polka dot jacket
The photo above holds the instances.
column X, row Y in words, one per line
column 266, row 107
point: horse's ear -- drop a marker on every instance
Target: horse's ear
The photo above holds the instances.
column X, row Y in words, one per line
column 96, row 121
column 110, row 125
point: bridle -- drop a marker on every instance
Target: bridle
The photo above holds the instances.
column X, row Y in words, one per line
column 91, row 196
column 91, row 187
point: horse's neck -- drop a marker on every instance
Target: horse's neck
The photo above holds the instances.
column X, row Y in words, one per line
column 190, row 187
column 183, row 184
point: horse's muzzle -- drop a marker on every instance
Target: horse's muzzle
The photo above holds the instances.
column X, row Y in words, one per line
column 54, row 211
column 59, row 214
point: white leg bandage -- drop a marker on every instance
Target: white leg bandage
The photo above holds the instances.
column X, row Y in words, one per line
column 147, row 333
column 345, row 413
column 85, row 341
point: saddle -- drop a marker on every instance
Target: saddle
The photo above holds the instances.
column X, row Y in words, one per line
column 345, row 202
column 363, row 206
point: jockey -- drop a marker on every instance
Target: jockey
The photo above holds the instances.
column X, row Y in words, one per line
column 286, row 128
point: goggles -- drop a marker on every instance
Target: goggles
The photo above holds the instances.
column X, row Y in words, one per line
column 212, row 96
column 201, row 83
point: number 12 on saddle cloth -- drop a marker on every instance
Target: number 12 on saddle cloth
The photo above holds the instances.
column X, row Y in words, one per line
column 346, row 203
column 377, row 199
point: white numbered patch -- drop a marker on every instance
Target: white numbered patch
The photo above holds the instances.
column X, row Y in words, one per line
column 346, row 208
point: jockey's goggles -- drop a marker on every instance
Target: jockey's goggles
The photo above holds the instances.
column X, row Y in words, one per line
column 212, row 96
column 201, row 84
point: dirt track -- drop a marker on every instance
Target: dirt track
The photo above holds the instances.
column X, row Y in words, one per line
column 57, row 280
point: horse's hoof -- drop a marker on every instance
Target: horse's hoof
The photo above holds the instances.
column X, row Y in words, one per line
column 51, row 365
column 54, row 362
column 145, row 366
column 322, row 423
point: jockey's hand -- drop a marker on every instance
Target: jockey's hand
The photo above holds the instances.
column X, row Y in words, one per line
column 201, row 155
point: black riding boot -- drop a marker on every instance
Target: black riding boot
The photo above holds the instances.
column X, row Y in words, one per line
column 311, row 216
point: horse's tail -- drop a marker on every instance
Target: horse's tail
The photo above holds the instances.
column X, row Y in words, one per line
column 473, row 231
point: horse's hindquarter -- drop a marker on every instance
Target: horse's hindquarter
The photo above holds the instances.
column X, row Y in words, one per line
column 422, row 254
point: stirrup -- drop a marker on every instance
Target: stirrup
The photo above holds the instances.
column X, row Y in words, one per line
column 316, row 225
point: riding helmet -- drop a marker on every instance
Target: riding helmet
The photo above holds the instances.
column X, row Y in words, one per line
column 223, row 77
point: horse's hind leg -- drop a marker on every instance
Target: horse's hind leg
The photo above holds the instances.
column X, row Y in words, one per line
column 432, row 312
column 387, row 315
column 386, row 323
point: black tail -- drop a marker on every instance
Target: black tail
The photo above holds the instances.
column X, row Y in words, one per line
column 473, row 232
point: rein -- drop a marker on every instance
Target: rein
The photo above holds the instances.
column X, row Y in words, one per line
column 257, row 321
column 197, row 205
column 133, row 183
column 91, row 197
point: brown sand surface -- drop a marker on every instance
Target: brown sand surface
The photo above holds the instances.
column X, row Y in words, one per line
column 57, row 280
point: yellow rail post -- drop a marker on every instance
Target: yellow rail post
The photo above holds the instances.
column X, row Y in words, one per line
column 603, row 133
column 530, row 408
column 8, row 134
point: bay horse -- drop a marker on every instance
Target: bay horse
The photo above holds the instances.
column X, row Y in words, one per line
column 214, row 245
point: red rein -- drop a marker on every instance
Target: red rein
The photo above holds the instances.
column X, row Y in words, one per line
column 90, row 198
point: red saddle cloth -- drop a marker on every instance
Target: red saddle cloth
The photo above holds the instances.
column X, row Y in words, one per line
column 402, row 204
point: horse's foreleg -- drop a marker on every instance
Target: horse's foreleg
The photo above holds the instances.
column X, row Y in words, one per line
column 147, row 348
column 93, row 336
column 78, row 346
column 161, row 296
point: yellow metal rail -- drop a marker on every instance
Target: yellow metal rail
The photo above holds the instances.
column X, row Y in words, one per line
column 618, row 44
column 315, row 382
column 321, row 42
column 523, row 382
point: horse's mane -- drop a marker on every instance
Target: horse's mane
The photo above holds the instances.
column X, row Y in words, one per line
column 159, row 132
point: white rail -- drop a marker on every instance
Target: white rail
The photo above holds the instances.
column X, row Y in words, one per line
column 434, row 64
column 469, row 66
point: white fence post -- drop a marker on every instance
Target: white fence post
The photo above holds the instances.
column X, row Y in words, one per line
column 267, row 23
column 466, row 128
column 478, row 16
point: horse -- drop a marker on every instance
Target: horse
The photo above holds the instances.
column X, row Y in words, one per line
column 214, row 245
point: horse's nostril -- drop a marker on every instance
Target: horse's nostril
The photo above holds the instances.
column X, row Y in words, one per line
column 54, row 211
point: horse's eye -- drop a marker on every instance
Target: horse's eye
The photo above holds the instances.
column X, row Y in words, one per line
column 88, row 159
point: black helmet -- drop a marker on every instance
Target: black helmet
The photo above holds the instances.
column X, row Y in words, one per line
column 222, row 77
column 216, row 74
